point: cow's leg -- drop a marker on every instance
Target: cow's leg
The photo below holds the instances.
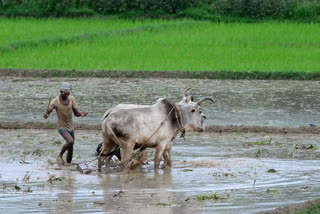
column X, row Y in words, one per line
column 108, row 144
column 167, row 158
column 167, row 155
column 167, row 152
column 127, row 149
column 159, row 152
column 117, row 152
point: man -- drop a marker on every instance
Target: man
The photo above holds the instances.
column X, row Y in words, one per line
column 64, row 105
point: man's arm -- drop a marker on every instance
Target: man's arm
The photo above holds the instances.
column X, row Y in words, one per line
column 75, row 110
column 47, row 114
column 49, row 109
column 78, row 114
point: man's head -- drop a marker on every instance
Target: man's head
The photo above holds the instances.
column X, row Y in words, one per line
column 65, row 89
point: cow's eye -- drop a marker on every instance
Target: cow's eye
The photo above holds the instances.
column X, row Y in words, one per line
column 193, row 110
column 200, row 111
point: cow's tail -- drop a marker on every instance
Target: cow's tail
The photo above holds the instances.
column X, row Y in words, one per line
column 111, row 132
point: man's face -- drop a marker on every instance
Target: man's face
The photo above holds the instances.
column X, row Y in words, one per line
column 65, row 93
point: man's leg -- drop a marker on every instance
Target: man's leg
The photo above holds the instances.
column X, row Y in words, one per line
column 69, row 144
column 70, row 149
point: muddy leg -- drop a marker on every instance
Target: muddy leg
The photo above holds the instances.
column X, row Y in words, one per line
column 127, row 150
column 167, row 156
column 108, row 144
column 167, row 159
column 67, row 146
column 159, row 152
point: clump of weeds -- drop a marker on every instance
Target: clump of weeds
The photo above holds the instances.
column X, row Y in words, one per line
column 38, row 152
column 310, row 146
column 275, row 192
column 28, row 190
column 53, row 178
column 207, row 197
column 272, row 171
column 187, row 170
column 258, row 153
column 162, row 204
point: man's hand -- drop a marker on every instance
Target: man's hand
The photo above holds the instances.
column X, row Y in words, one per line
column 84, row 113
column 46, row 115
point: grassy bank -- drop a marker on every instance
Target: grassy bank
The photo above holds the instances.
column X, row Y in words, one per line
column 182, row 45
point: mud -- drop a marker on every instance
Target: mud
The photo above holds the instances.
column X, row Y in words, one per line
column 236, row 75
column 223, row 165
column 259, row 152
column 262, row 103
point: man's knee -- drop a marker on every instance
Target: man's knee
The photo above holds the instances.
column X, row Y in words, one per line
column 71, row 142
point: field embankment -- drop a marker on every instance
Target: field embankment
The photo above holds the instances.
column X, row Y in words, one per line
column 235, row 75
column 209, row 129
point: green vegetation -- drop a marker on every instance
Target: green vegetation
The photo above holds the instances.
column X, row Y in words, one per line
column 275, row 192
column 207, row 197
column 258, row 143
column 227, row 10
column 187, row 170
column 314, row 208
column 28, row 32
column 258, row 49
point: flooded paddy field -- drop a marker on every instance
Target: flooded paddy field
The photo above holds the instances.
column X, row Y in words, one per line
column 211, row 173
column 279, row 103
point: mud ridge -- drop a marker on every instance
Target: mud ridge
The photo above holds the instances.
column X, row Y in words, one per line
column 292, row 208
column 209, row 129
column 259, row 75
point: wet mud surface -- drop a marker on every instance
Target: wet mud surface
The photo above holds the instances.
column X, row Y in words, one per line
column 279, row 103
column 211, row 173
column 259, row 153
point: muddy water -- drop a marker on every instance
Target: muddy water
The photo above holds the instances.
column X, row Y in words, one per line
column 232, row 166
column 241, row 102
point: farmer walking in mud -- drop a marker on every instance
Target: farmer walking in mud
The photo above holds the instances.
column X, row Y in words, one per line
column 64, row 104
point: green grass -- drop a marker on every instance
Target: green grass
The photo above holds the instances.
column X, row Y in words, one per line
column 31, row 29
column 314, row 208
column 168, row 46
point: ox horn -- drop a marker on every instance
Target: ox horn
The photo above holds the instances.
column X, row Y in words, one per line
column 189, row 98
column 185, row 91
column 203, row 99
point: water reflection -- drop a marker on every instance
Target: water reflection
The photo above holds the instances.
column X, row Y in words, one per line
column 65, row 200
column 142, row 192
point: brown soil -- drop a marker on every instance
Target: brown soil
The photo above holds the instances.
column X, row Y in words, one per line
column 112, row 73
column 293, row 208
column 264, row 129
column 161, row 74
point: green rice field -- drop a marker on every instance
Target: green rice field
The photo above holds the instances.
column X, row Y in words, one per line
column 185, row 45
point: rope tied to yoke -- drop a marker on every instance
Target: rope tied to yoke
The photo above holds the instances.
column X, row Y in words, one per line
column 180, row 122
